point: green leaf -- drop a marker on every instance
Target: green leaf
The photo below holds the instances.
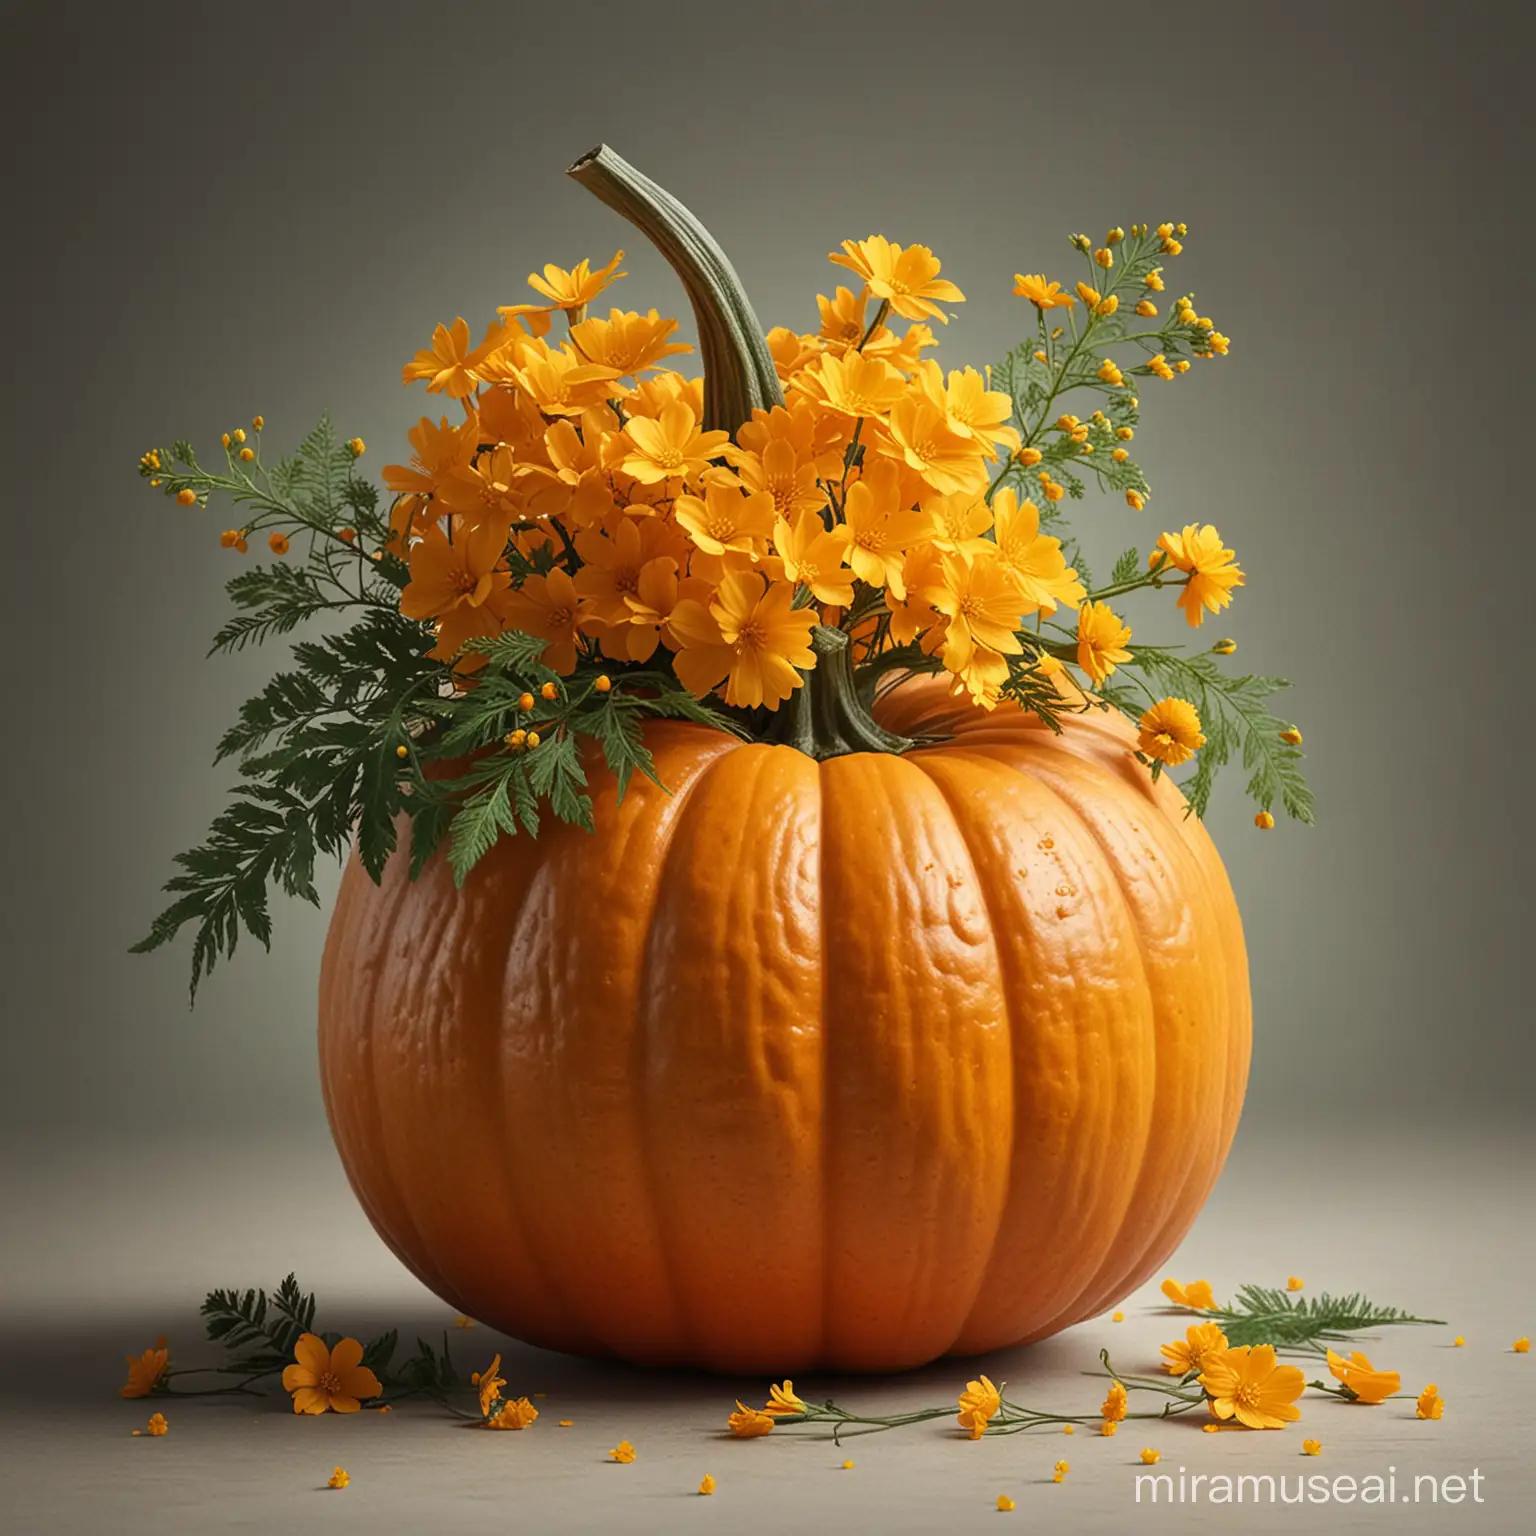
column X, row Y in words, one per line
column 1127, row 567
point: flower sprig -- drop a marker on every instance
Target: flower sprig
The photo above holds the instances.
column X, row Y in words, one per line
column 574, row 523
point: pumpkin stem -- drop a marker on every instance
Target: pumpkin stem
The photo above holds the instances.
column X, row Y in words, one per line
column 825, row 717
column 739, row 376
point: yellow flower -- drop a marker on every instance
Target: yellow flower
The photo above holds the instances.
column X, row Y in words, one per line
column 1264, row 821
column 1146, row 309
column 1104, row 257
column 969, row 406
column 1311, row 1447
column 1119, row 455
column 1363, row 1382
column 1063, row 1467
column 145, row 1371
column 1101, row 639
column 1161, row 367
column 1247, row 1384
column 489, row 1383
column 1197, row 1294
column 1114, row 1404
column 1522, row 1346
column 1188, row 1354
column 548, row 606
column 1154, row 280
column 1149, row 1457
column 627, row 342
column 749, row 636
column 1295, row 1283
column 338, row 1478
column 854, row 385
column 670, row 444
column 1212, row 570
column 982, row 606
column 814, row 558
column 908, row 279
column 450, row 365
column 1028, row 457
column 922, row 437
column 1135, row 500
column 1458, row 1342
column 1107, row 306
column 325, row 1379
column 727, row 519
column 157, row 1425
column 446, row 576
column 514, row 1415
column 1109, row 1427
column 780, row 471
column 1430, row 1404
column 707, row 1484
column 879, row 532
column 1110, row 373
column 623, row 1452
column 782, row 1398
column 747, row 1423
column 1042, row 294
column 569, row 290
column 979, row 1402
column 1119, row 1317
column 1292, row 738
column 1170, row 732
column 1004, row 1503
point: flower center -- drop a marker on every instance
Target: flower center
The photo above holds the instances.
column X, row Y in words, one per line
column 668, row 456
column 1248, row 1396
column 330, row 1382
column 752, row 635
column 722, row 529
column 872, row 539
column 560, row 619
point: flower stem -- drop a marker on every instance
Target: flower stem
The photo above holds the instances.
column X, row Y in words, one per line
column 825, row 717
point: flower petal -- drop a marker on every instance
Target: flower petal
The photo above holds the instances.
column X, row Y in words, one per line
column 311, row 1352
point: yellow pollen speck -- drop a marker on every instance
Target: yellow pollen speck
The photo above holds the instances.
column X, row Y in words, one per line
column 847, row 1466
column 707, row 1485
column 1119, row 1317
column 1308, row 1447
column 1458, row 1342
column 1004, row 1503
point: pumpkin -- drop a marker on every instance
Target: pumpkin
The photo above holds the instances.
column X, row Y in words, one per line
column 882, row 1041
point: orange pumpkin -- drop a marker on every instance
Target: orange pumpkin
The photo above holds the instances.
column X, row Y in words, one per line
column 842, row 1064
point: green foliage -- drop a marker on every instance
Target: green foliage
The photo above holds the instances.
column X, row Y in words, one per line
column 1264, row 1315
column 263, row 1329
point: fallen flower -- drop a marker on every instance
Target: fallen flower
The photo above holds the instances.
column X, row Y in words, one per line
column 623, row 1452
column 1522, row 1346
column 145, row 1371
column 1189, row 1353
column 338, row 1478
column 707, row 1485
column 847, row 1466
column 978, row 1403
column 490, row 1385
column 157, row 1424
column 1430, row 1404
column 1004, row 1503
column 515, row 1415
column 1118, row 1317
column 1246, row 1383
column 1458, row 1342
column 1311, row 1447
column 1109, row 1427
column 565, row 1423
column 782, row 1399
column 1114, row 1404
column 1363, row 1382
column 1197, row 1295
column 1150, row 1457
column 329, row 1380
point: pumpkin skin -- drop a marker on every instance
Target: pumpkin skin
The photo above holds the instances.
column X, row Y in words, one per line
column 845, row 1065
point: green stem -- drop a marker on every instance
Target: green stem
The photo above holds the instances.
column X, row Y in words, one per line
column 825, row 716
column 739, row 376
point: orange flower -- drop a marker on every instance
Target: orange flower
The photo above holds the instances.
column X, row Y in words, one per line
column 489, row 1383
column 1114, row 1404
column 671, row 444
column 813, row 557
column 748, row 637
column 514, row 1415
column 908, row 279
column 782, row 1399
column 1196, row 1295
column 1212, row 573
column 146, row 1370
column 628, row 343
column 969, row 407
column 981, row 605
column 1034, row 560
column 625, row 1452
column 921, row 437
column 548, row 606
column 157, row 1424
column 1363, row 1382
column 1042, row 294
column 1101, row 639
column 571, row 290
column 980, row 1402
column 747, row 1423
column 329, row 1380
column 338, row 1478
column 1430, row 1404
column 727, row 518
column 879, row 533
column 1170, row 732
column 450, row 365
column 445, row 575
column 853, row 385
column 1189, row 1353
column 779, row 471
column 1247, row 1384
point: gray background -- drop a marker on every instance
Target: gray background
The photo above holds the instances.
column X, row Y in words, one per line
column 219, row 210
